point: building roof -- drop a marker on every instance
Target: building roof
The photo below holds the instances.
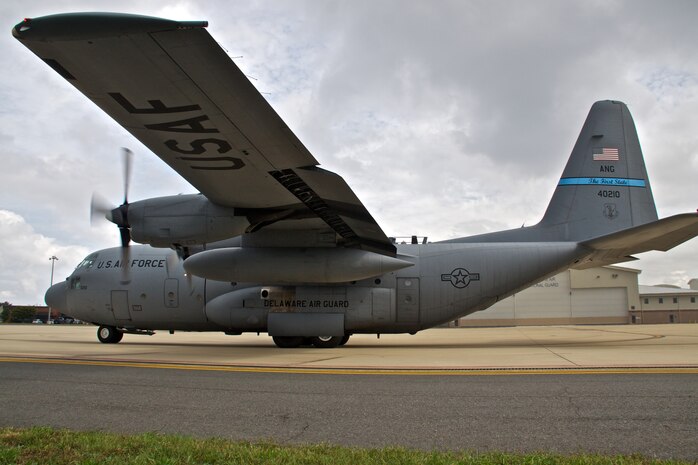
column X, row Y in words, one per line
column 665, row 290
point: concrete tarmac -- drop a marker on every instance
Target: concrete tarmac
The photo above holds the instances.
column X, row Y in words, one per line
column 599, row 389
column 550, row 347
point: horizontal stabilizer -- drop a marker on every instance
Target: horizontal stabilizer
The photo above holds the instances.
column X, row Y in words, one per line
column 661, row 235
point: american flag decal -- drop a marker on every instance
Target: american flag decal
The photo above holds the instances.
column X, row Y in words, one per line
column 605, row 154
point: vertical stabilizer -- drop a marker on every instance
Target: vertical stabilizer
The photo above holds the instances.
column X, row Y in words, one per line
column 604, row 187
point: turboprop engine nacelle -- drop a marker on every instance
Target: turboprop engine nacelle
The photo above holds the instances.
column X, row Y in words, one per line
column 285, row 265
column 182, row 219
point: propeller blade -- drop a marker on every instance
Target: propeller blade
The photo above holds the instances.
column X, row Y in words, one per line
column 125, row 234
column 125, row 264
column 99, row 208
column 127, row 159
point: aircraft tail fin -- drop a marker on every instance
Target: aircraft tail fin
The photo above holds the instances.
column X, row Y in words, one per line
column 604, row 187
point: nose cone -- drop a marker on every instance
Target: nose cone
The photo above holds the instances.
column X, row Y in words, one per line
column 55, row 296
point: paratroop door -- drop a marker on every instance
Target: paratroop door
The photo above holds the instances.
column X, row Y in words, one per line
column 171, row 293
column 408, row 300
column 119, row 305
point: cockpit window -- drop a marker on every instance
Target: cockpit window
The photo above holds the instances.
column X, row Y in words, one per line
column 87, row 262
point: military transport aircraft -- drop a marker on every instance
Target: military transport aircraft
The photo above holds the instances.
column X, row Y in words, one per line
column 276, row 244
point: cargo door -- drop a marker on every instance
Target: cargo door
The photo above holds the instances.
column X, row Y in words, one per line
column 119, row 305
column 407, row 300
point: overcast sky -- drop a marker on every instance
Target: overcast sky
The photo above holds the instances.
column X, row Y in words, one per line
column 447, row 118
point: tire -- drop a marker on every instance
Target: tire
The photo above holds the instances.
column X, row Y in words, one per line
column 109, row 334
column 344, row 340
column 327, row 342
column 287, row 342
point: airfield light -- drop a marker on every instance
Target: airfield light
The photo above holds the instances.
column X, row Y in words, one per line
column 53, row 261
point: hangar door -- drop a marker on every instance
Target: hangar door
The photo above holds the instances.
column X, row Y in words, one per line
column 600, row 302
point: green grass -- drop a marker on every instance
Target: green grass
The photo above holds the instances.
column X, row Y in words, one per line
column 47, row 446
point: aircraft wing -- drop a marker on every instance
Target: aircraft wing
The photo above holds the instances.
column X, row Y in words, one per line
column 177, row 91
column 661, row 235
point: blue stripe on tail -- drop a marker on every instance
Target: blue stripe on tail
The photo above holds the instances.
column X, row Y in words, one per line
column 602, row 182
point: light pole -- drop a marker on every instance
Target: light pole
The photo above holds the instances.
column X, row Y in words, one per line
column 53, row 261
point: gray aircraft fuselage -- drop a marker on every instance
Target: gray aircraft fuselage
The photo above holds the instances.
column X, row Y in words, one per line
column 447, row 281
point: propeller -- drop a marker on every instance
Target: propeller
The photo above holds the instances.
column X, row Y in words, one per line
column 100, row 207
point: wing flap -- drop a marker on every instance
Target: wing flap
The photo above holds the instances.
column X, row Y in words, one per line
column 328, row 196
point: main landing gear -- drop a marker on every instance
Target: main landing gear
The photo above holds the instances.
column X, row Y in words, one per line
column 322, row 342
column 109, row 334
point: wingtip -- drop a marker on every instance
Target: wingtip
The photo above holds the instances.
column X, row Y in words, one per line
column 20, row 28
column 92, row 25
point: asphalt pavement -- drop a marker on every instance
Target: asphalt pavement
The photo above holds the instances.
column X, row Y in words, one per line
column 606, row 389
column 652, row 414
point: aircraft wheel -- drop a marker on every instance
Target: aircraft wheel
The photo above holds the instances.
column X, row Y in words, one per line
column 109, row 334
column 344, row 340
column 326, row 342
column 287, row 342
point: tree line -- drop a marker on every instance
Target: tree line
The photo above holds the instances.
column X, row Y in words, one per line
column 16, row 313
